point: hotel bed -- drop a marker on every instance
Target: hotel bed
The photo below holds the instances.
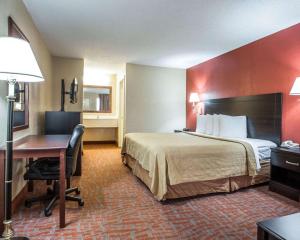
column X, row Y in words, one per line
column 175, row 165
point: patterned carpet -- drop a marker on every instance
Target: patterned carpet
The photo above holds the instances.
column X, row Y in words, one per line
column 118, row 206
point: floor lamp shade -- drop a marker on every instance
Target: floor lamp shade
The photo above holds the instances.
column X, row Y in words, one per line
column 17, row 61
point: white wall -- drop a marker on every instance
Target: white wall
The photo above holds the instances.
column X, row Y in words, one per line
column 155, row 99
column 39, row 93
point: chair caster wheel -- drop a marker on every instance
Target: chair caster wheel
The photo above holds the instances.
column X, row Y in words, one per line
column 81, row 203
column 47, row 213
column 28, row 204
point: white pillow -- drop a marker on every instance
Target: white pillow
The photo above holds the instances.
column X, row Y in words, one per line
column 216, row 125
column 209, row 124
column 201, row 123
column 233, row 126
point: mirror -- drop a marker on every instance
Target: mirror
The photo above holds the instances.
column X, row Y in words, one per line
column 21, row 106
column 97, row 99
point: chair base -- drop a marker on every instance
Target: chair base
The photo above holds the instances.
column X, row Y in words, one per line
column 53, row 195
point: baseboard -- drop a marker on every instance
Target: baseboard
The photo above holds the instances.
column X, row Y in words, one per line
column 19, row 199
column 100, row 142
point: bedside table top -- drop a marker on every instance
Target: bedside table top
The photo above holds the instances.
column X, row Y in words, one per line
column 286, row 150
column 286, row 227
column 177, row 130
column 184, row 130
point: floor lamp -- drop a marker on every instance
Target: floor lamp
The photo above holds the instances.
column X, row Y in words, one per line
column 17, row 64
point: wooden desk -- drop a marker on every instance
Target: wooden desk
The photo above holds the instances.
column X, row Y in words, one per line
column 37, row 146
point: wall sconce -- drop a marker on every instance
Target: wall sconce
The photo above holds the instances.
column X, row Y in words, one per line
column 194, row 98
column 296, row 87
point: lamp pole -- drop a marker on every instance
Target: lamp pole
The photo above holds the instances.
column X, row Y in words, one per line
column 8, row 232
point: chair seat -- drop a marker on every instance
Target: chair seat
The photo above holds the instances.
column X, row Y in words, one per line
column 43, row 169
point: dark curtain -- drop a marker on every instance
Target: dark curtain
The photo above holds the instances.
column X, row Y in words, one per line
column 104, row 103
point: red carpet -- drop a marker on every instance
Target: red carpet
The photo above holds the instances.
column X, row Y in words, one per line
column 118, row 206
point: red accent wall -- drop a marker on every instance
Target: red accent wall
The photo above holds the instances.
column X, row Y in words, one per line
column 268, row 65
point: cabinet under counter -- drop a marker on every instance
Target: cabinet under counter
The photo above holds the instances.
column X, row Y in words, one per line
column 101, row 130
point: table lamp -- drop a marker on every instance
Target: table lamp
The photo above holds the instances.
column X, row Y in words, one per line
column 17, row 64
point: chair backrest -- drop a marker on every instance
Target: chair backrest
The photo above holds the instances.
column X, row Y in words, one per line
column 73, row 149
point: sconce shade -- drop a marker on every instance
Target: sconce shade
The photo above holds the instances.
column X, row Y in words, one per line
column 194, row 97
column 17, row 61
column 296, row 87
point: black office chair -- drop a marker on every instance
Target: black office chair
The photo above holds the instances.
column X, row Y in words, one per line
column 48, row 169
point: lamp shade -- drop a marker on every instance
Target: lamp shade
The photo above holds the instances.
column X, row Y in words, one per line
column 296, row 87
column 17, row 61
column 194, row 97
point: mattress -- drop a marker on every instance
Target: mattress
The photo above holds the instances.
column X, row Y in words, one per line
column 223, row 185
column 172, row 159
column 262, row 147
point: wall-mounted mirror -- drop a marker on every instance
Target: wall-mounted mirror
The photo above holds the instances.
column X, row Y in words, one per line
column 21, row 105
column 97, row 99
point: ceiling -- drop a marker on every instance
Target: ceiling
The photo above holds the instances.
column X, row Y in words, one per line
column 168, row 33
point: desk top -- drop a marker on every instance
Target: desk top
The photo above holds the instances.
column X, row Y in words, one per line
column 41, row 142
column 286, row 227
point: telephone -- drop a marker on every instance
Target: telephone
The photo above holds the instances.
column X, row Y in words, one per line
column 289, row 144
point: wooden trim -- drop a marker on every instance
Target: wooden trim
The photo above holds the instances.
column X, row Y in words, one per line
column 21, row 127
column 15, row 31
column 99, row 142
column 110, row 98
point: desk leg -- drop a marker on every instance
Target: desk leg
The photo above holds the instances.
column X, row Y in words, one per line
column 62, row 187
column 2, row 164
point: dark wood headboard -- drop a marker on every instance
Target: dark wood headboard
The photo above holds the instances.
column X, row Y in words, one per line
column 263, row 113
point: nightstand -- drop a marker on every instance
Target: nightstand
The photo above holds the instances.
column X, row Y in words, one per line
column 177, row 131
column 285, row 172
column 184, row 130
column 279, row 228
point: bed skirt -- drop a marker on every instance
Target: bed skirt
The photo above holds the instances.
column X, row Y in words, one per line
column 230, row 184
